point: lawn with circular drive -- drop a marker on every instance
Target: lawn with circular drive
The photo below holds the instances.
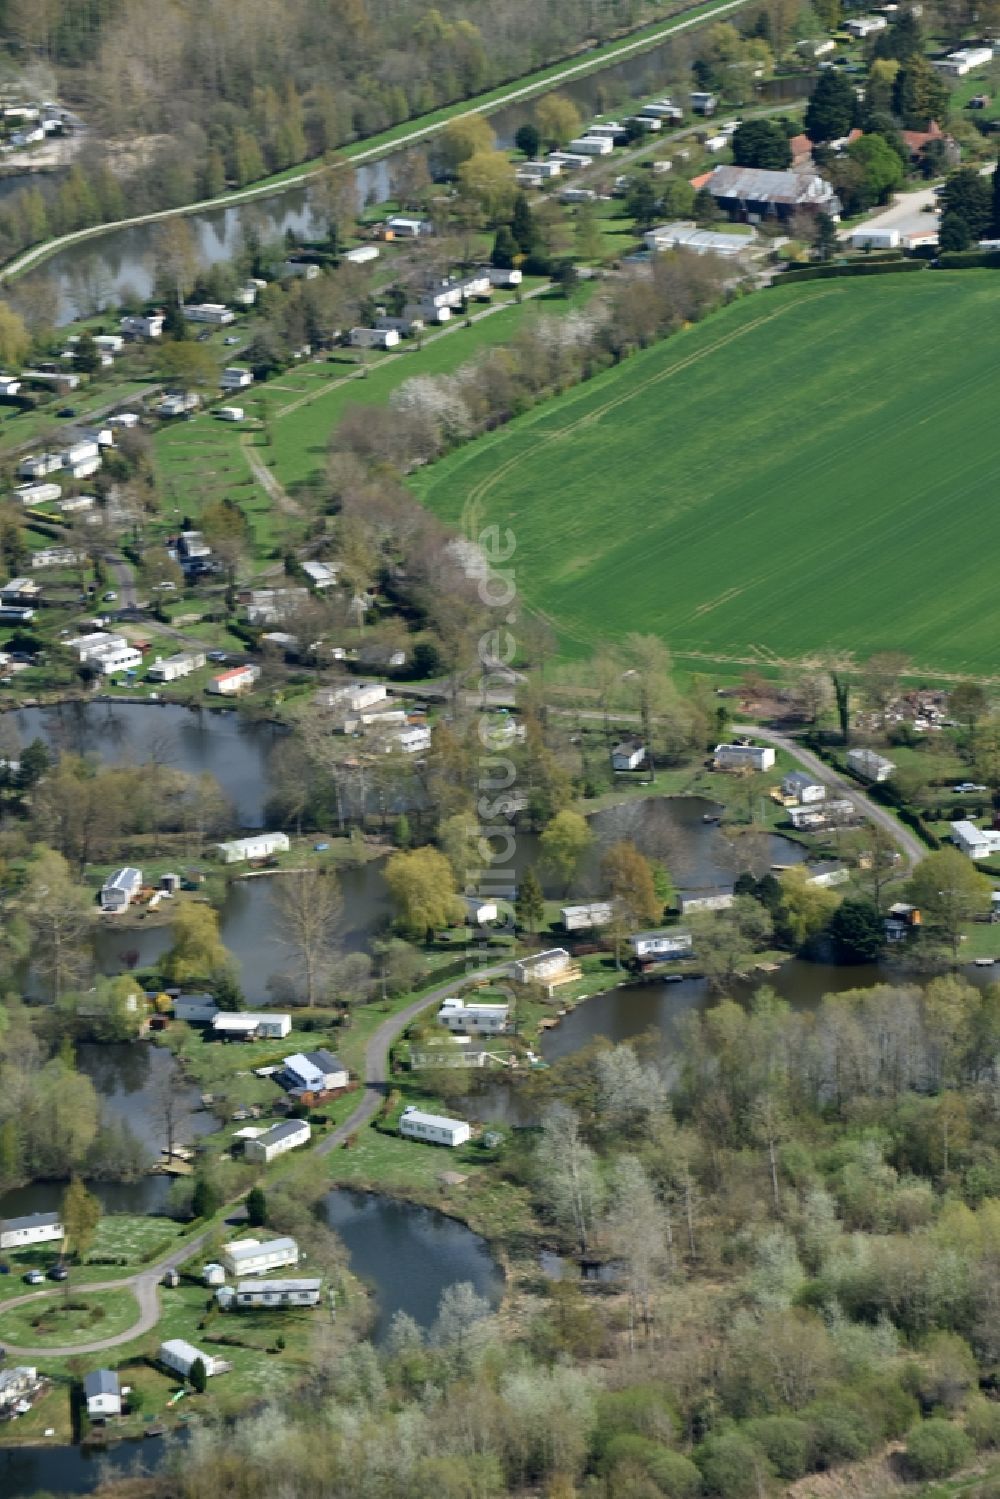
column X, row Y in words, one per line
column 813, row 470
column 69, row 1317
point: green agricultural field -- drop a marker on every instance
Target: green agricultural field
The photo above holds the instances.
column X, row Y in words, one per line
column 812, row 470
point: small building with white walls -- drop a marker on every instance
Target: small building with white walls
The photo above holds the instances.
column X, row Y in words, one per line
column 655, row 946
column 276, row 1293
column 256, row 846
column 196, row 1009
column 254, row 1257
column 545, row 968
column 474, row 1019
column 374, row 338
column 433, row 1129
column 288, row 1135
column 237, row 680
column 628, row 754
column 804, row 787
column 103, row 1394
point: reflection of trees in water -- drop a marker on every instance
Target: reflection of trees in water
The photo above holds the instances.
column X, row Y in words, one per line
column 122, row 1069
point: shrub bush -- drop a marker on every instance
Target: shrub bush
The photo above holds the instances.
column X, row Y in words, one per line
column 982, row 1422
column 732, row 1466
column 786, row 1442
column 840, row 1434
column 672, row 1473
column 936, row 1448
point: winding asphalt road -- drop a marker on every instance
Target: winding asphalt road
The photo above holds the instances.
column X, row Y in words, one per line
column 144, row 1285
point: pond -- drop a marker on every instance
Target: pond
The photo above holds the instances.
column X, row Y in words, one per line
column 231, row 748
column 25, row 1471
column 409, row 1255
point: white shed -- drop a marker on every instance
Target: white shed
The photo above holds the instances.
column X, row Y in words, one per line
column 180, row 1357
column 252, row 1257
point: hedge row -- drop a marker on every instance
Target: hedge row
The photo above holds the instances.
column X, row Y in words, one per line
column 861, row 268
column 964, row 260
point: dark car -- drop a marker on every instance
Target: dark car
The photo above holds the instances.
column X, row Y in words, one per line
column 58, row 1272
column 66, row 411
column 218, row 656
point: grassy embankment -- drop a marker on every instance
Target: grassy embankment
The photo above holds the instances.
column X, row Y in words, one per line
column 753, row 489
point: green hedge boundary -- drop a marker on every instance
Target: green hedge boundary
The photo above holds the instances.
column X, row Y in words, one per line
column 863, row 268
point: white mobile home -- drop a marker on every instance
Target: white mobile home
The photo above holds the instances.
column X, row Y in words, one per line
column 252, row 1025
column 256, row 846
column 545, row 968
column 743, row 757
column 275, row 1293
column 803, row 787
column 180, row 1357
column 120, row 890
column 170, row 668
column 583, row 918
column 209, row 312
column 721, row 901
column 314, row 1072
column 402, row 227
column 252, row 1257
column 236, row 680
column 869, row 766
column 977, row 843
column 235, row 378
column 361, row 254
column 34, row 1228
column 374, row 338
column 288, row 1135
column 433, row 1129
column 592, row 145
column 656, row 946
column 474, row 1019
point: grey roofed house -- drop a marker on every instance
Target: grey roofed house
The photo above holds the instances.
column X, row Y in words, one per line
column 100, row 1382
column 30, row 1220
column 282, row 1131
column 757, row 190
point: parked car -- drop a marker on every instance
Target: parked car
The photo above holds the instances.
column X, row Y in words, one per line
column 110, row 596
column 219, row 657
column 34, row 1278
column 968, row 786
column 66, row 411
column 58, row 1272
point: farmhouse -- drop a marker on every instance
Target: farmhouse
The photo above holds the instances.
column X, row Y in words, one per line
column 582, row 918
column 102, row 1393
column 235, row 681
column 753, row 193
column 33, row 1228
column 180, row 1357
column 275, row 1141
column 803, row 787
column 629, row 754
column 869, row 766
column 548, row 968
column 276, row 1293
column 253, row 1257
column 120, row 890
column 977, row 843
column 473, row 1018
column 256, row 846
column 743, row 757
column 657, row 945
column 433, row 1129
column 170, row 668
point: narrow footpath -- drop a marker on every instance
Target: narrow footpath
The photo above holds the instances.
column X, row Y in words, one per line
column 144, row 1285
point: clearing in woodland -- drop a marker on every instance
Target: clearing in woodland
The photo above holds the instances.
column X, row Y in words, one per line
column 813, row 470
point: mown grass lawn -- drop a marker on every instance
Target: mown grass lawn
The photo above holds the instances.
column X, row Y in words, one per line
column 811, row 470
column 69, row 1317
column 130, row 1238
